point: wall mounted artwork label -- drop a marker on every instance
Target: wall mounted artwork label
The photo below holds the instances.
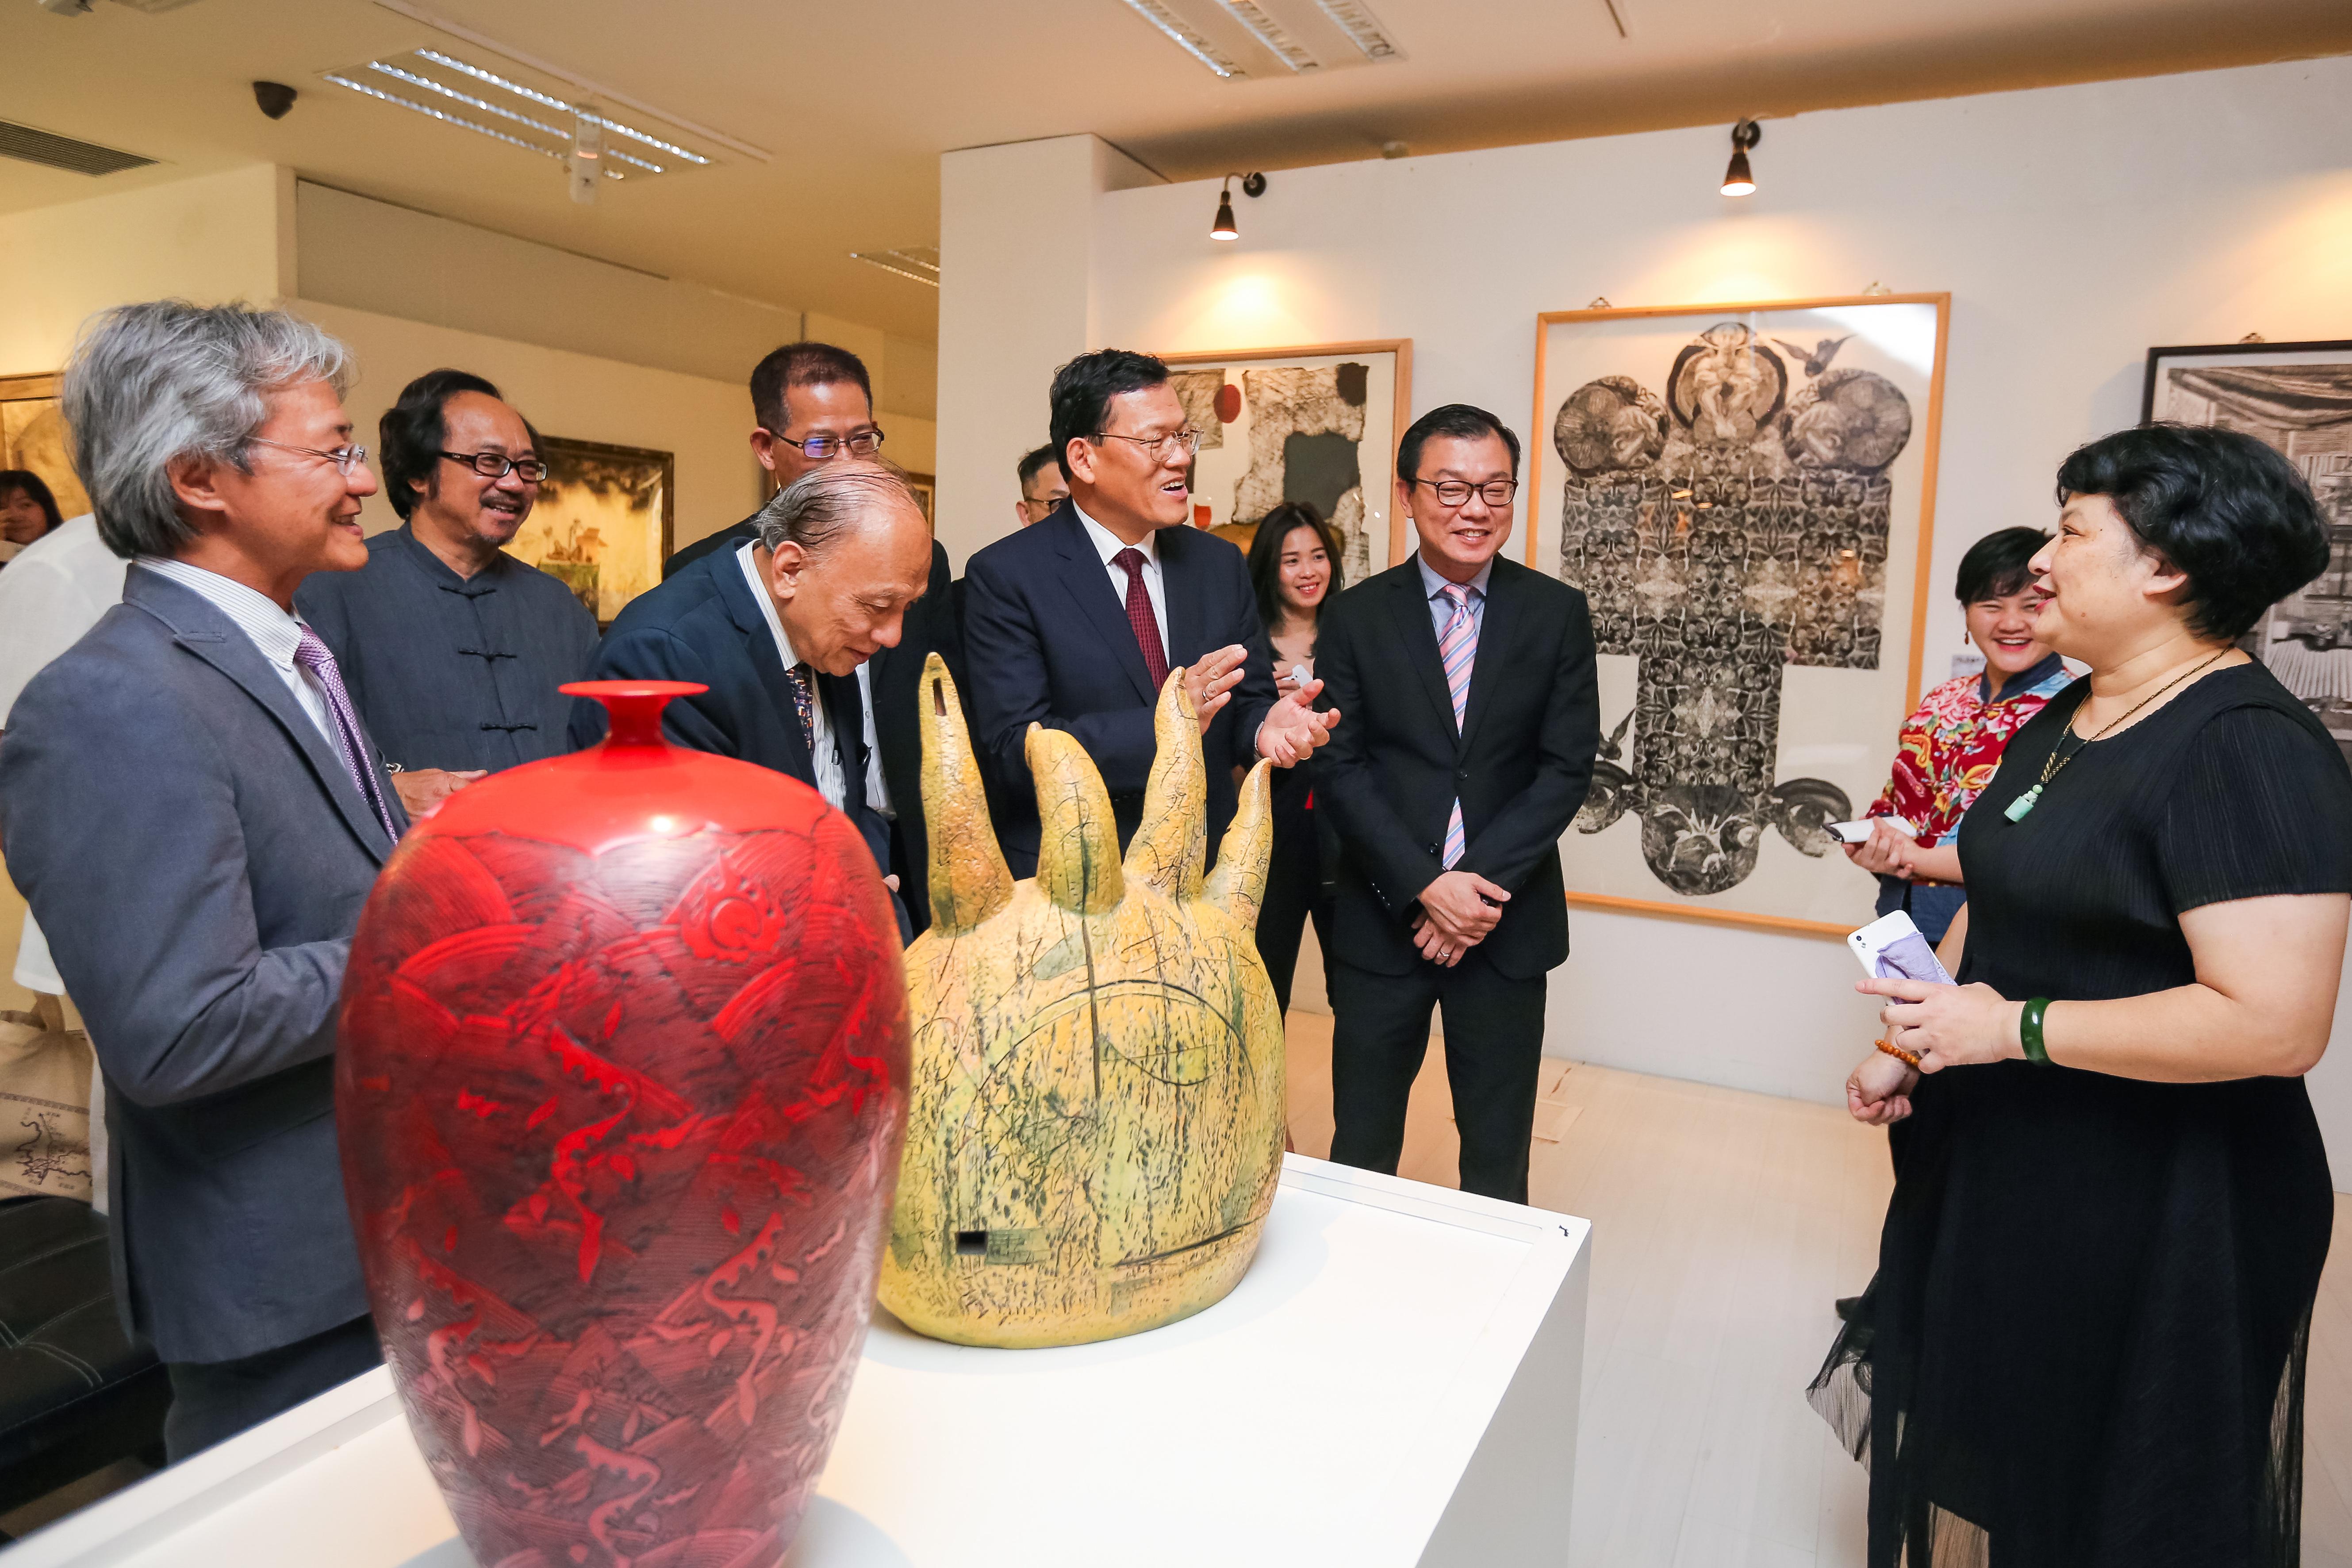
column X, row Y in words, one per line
column 1745, row 494
column 1318, row 424
column 2298, row 398
column 603, row 520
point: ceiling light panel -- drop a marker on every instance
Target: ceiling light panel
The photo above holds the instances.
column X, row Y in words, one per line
column 474, row 98
column 1258, row 40
column 919, row 263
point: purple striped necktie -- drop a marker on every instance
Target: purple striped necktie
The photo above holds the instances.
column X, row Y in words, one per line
column 311, row 655
column 1458, row 650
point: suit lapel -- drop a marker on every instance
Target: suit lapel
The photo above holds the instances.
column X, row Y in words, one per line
column 1412, row 611
column 1499, row 624
column 1181, row 572
column 204, row 631
column 1088, row 584
column 845, row 708
column 752, row 621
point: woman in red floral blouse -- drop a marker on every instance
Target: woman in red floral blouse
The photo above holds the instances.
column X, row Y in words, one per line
column 1952, row 744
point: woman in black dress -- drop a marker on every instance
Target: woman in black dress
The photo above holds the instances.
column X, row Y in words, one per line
column 2085, row 1343
column 1293, row 564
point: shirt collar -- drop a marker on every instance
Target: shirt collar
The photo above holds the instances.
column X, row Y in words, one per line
column 274, row 631
column 2025, row 683
column 442, row 573
column 1108, row 545
column 767, row 603
column 1431, row 584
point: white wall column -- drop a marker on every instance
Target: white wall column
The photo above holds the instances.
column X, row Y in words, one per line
column 1017, row 288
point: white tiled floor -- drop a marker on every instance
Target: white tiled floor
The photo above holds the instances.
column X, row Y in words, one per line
column 1724, row 1226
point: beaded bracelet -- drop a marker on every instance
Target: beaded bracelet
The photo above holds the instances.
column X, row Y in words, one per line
column 1908, row 1059
column 2029, row 1031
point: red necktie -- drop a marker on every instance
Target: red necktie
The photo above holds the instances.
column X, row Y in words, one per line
column 1140, row 615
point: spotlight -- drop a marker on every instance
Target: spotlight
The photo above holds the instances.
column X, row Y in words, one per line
column 1224, row 227
column 587, row 154
column 273, row 97
column 1737, row 181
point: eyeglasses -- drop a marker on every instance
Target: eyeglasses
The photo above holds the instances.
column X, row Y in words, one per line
column 1159, row 448
column 498, row 466
column 864, row 444
column 344, row 458
column 1456, row 492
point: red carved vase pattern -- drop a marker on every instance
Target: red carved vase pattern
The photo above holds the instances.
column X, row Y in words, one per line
column 621, row 1088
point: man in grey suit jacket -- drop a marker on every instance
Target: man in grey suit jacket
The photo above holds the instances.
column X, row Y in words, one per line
column 196, row 815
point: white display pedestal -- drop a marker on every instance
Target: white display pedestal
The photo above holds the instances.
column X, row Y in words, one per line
column 1394, row 1383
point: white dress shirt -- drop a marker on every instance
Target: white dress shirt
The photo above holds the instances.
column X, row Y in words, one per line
column 877, row 788
column 277, row 632
column 825, row 755
column 1108, row 545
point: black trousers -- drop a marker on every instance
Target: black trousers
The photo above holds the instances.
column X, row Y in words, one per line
column 1493, row 1049
column 213, row 1401
column 1294, row 893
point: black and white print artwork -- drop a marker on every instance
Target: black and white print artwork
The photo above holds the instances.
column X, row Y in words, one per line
column 2297, row 397
column 1739, row 497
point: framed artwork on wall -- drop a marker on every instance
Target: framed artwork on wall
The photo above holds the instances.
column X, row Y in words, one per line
column 925, row 486
column 1746, row 494
column 1319, row 423
column 603, row 522
column 33, row 436
column 2296, row 398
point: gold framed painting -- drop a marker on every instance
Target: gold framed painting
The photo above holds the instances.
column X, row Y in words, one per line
column 1318, row 423
column 1746, row 494
column 33, row 436
column 603, row 522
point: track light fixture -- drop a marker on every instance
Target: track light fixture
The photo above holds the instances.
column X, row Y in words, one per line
column 1737, row 179
column 1224, row 227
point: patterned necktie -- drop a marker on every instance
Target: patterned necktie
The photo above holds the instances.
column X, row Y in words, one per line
column 311, row 655
column 1458, row 649
column 804, row 681
column 1140, row 615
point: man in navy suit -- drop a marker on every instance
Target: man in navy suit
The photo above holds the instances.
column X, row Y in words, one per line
column 1074, row 622
column 195, row 814
column 777, row 629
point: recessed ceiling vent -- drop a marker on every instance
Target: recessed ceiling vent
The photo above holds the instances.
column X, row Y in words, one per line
column 64, row 153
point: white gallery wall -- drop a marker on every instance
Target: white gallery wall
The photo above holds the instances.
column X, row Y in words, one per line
column 2075, row 228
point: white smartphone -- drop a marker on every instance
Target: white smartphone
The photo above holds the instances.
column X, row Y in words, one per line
column 1857, row 832
column 1892, row 948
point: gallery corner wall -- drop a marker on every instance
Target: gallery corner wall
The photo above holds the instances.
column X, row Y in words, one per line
column 2075, row 228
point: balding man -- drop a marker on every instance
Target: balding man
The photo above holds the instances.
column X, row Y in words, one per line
column 777, row 629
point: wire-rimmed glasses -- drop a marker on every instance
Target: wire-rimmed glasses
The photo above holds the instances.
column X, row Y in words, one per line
column 498, row 466
column 345, row 458
column 1159, row 448
column 817, row 448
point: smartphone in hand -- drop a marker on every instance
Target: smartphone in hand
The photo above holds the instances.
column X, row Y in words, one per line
column 1892, row 948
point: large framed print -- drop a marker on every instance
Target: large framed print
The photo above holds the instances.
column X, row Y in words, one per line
column 603, row 521
column 1318, row 424
column 1745, row 495
column 2297, row 397
column 33, row 437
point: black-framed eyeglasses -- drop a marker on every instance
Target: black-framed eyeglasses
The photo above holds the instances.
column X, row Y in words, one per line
column 498, row 466
column 345, row 457
column 1456, row 492
column 1159, row 448
column 817, row 448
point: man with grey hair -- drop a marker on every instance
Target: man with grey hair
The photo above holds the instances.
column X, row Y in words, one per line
column 777, row 629
column 195, row 814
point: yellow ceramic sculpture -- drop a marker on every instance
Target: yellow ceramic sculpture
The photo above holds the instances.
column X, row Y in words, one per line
column 1096, row 1122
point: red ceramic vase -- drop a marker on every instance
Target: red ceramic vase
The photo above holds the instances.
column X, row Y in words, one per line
column 621, row 1088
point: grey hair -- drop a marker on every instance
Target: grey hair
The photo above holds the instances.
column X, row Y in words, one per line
column 829, row 501
column 153, row 384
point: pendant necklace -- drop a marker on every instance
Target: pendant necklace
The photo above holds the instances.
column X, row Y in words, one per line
column 2055, row 763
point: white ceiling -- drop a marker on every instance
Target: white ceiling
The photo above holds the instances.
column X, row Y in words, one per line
column 857, row 101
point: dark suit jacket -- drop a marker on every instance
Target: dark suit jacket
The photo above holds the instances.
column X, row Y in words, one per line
column 198, row 855
column 1048, row 642
column 726, row 539
column 704, row 625
column 1394, row 766
column 930, row 626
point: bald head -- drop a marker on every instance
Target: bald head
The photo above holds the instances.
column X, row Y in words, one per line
column 843, row 549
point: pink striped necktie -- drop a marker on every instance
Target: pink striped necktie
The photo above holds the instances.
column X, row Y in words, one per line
column 312, row 655
column 1458, row 650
